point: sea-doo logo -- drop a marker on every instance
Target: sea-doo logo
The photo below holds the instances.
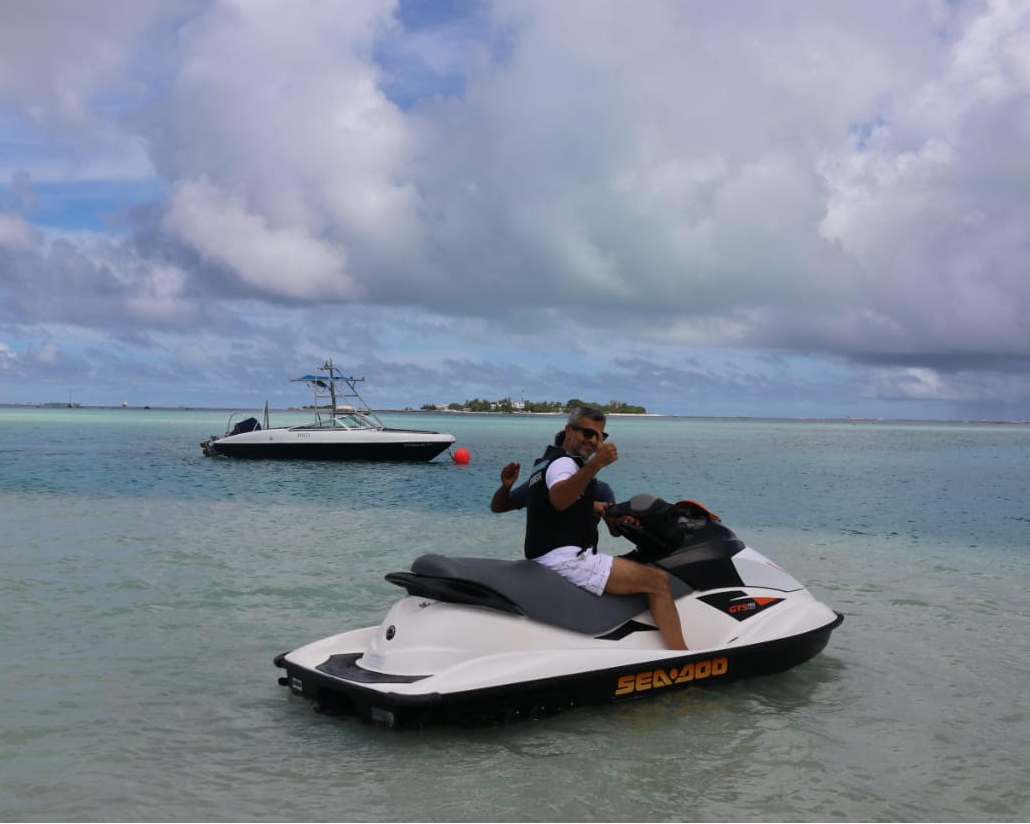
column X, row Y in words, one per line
column 658, row 678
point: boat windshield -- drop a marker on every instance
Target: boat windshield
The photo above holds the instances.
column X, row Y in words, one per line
column 342, row 420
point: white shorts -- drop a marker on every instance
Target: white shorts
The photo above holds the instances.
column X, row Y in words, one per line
column 589, row 570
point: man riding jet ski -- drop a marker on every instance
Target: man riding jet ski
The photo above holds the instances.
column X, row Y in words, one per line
column 481, row 640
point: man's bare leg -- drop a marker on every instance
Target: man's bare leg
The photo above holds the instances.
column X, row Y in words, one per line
column 629, row 578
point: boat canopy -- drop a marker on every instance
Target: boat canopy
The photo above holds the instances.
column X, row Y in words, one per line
column 360, row 416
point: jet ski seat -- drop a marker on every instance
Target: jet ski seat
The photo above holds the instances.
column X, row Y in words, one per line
column 523, row 588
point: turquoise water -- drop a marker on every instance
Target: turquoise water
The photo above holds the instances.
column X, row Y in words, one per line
column 147, row 589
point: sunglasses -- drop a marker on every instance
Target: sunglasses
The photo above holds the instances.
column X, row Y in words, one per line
column 589, row 434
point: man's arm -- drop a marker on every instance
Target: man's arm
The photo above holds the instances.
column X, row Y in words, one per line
column 501, row 502
column 566, row 492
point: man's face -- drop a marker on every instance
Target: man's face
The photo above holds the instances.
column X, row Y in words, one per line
column 583, row 437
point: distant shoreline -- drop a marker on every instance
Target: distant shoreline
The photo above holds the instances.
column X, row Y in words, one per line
column 411, row 411
column 518, row 412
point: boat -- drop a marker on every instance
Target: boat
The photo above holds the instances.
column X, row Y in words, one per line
column 344, row 430
column 483, row 640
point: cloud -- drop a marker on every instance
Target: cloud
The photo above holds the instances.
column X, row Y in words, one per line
column 284, row 127
column 928, row 204
column 71, row 72
column 17, row 234
column 278, row 262
column 93, row 284
column 841, row 182
column 7, row 355
column 716, row 166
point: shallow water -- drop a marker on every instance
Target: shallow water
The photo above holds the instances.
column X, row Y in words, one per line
column 147, row 589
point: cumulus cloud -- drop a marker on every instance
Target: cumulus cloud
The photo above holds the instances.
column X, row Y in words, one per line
column 6, row 356
column 91, row 283
column 278, row 117
column 70, row 71
column 16, row 233
column 845, row 181
column 284, row 262
column 754, row 172
column 928, row 205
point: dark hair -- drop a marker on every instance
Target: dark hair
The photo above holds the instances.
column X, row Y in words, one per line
column 580, row 412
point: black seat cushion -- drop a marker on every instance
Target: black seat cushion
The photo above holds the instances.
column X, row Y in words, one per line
column 524, row 587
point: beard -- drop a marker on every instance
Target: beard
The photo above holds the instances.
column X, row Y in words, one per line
column 585, row 451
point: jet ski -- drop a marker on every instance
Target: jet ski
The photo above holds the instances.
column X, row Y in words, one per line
column 482, row 640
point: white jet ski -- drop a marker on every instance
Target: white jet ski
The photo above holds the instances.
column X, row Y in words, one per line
column 482, row 640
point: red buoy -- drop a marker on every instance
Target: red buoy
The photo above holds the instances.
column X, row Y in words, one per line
column 462, row 456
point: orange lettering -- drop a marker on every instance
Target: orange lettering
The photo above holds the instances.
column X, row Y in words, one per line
column 686, row 674
column 656, row 679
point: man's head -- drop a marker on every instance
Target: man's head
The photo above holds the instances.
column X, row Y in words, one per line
column 584, row 431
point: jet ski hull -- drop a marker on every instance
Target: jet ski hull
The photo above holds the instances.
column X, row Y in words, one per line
column 483, row 640
column 340, row 685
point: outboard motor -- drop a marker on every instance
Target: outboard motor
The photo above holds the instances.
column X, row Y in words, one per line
column 246, row 425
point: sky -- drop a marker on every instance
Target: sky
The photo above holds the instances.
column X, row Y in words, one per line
column 771, row 209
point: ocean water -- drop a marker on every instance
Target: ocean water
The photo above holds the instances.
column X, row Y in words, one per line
column 146, row 589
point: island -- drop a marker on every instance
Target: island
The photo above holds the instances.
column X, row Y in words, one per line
column 509, row 406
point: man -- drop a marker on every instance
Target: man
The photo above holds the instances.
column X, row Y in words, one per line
column 505, row 499
column 560, row 527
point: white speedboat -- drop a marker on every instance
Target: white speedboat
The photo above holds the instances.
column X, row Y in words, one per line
column 344, row 430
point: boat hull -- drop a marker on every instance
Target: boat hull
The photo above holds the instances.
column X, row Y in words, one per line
column 414, row 451
column 312, row 445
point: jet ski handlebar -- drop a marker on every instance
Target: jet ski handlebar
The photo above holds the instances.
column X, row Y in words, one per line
column 660, row 528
